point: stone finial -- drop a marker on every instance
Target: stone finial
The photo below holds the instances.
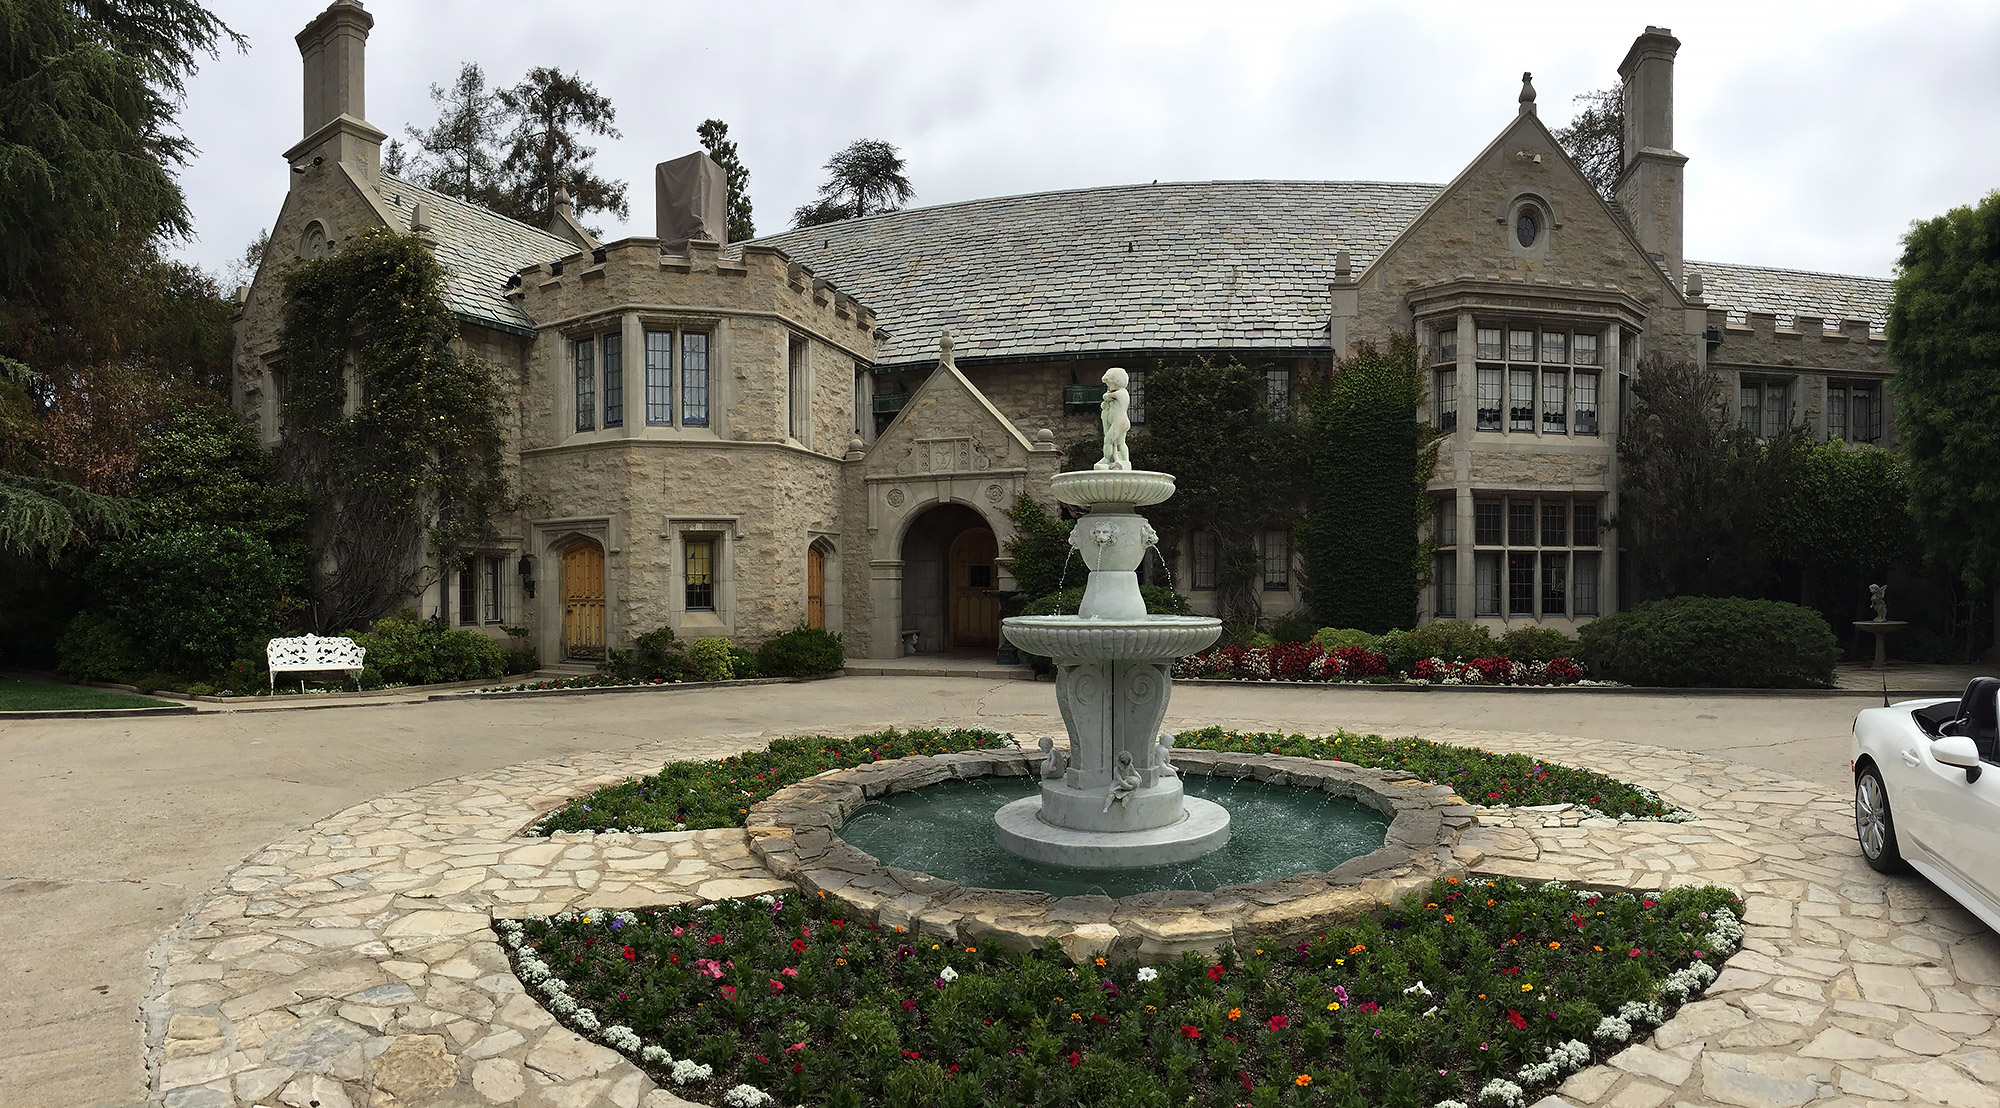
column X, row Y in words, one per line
column 945, row 360
column 420, row 218
column 1693, row 285
column 1045, row 435
column 856, row 446
column 563, row 201
column 243, row 294
column 1527, row 94
column 1343, row 266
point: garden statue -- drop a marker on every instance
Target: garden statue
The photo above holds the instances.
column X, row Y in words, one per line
column 1055, row 763
column 1878, row 599
column 1124, row 782
column 1117, row 418
column 1163, row 753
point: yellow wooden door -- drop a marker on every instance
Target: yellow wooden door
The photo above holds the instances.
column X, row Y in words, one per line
column 583, row 601
column 974, row 616
column 816, row 588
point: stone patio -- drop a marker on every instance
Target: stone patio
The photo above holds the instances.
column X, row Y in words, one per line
column 352, row 963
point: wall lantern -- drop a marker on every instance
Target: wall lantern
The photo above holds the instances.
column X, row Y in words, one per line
column 526, row 569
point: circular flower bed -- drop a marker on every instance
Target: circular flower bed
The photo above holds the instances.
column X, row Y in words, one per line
column 1305, row 661
column 1469, row 992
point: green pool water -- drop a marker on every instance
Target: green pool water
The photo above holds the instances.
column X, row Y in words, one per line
column 1275, row 831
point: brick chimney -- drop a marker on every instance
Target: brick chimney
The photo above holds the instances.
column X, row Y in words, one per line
column 336, row 118
column 1649, row 186
column 691, row 201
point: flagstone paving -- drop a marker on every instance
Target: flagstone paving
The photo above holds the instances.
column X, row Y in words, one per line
column 352, row 965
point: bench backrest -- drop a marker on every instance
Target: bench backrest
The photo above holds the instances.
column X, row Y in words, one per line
column 313, row 652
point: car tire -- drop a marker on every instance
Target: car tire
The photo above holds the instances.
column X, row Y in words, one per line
column 1875, row 825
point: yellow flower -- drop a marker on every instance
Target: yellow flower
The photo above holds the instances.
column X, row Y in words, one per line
column 1236, row 1013
column 1333, row 1007
column 1150, row 1008
column 1527, row 988
column 934, row 946
column 1302, row 1080
column 1100, row 961
column 1448, row 918
column 1076, row 1017
column 1340, row 961
column 840, row 961
column 1555, row 946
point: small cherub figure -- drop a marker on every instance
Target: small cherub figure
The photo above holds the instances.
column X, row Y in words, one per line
column 1163, row 753
column 1115, row 413
column 1055, row 763
column 1878, row 599
column 1125, row 780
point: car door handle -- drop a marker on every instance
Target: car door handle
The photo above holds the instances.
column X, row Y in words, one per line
column 1910, row 759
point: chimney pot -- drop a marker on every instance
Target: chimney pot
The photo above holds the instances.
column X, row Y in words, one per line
column 691, row 201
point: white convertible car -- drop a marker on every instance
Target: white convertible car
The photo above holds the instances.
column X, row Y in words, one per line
column 1927, row 792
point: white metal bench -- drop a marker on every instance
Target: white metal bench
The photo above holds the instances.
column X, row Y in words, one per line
column 310, row 653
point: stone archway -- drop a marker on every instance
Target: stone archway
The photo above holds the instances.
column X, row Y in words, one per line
column 949, row 554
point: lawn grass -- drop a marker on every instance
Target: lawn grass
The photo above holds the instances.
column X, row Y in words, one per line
column 1472, row 992
column 17, row 695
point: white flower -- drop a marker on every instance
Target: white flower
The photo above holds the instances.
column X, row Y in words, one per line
column 687, row 1072
column 655, row 1056
column 1612, row 1029
column 621, row 1038
column 766, row 899
column 627, row 918
column 1504, row 1093
column 1570, row 1056
column 746, row 1096
column 1537, row 1073
column 585, row 1019
column 1148, row 973
column 948, row 974
column 1450, row 1104
column 1431, row 1011
column 1418, row 988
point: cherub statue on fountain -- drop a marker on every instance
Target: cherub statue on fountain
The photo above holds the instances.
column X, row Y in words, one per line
column 1055, row 762
column 1163, row 753
column 1125, row 780
column 1878, row 599
column 1116, row 413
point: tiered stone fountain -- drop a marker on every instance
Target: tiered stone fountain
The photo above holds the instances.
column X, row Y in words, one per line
column 1114, row 800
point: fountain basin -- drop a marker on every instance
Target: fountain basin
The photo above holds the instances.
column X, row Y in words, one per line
column 1202, row 828
column 1084, row 638
column 1110, row 489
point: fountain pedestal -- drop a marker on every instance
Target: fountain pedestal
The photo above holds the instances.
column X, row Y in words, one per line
column 1118, row 802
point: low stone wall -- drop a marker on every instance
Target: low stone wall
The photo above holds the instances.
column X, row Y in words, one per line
column 795, row 833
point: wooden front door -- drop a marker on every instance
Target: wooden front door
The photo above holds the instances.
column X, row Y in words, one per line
column 816, row 587
column 583, row 601
column 974, row 617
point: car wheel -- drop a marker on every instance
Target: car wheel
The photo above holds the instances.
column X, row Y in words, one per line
column 1874, row 825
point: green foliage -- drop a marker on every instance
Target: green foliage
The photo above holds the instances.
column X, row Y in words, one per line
column 41, row 696
column 866, row 178
column 801, row 652
column 1843, row 520
column 407, row 650
column 550, row 112
column 43, row 519
column 655, row 656
column 714, row 136
column 1536, row 644
column 1331, row 639
column 206, row 468
column 1461, row 982
column 1595, row 137
column 1040, row 547
column 93, row 648
column 698, row 795
column 1715, row 642
column 1292, row 629
column 1370, row 460
column 191, row 600
column 1454, row 640
column 1944, row 336
column 1478, row 775
column 710, row 659
column 1160, row 601
column 420, row 457
column 456, row 154
column 1236, row 468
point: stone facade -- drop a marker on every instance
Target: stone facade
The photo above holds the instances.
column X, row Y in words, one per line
column 791, row 457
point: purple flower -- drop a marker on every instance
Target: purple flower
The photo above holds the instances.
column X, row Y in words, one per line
column 617, row 924
column 1340, row 993
column 1110, row 987
column 904, row 953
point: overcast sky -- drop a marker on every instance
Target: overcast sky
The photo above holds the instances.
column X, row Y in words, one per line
column 1815, row 131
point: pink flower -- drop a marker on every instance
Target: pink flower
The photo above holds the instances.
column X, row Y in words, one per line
column 708, row 966
column 729, row 992
column 789, row 971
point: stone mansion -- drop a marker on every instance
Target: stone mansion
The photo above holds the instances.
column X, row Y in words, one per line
column 734, row 438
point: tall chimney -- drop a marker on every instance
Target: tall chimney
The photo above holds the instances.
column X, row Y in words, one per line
column 336, row 116
column 691, row 200
column 1649, row 186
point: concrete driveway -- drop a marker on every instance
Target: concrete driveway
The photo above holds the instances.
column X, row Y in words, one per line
column 116, row 826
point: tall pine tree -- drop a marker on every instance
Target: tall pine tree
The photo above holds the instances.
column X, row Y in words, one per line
column 714, row 135
column 551, row 112
column 457, row 155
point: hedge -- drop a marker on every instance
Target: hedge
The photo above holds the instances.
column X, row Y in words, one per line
column 1714, row 642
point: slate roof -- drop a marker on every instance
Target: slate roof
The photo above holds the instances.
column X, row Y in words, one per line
column 1789, row 293
column 1222, row 264
column 480, row 250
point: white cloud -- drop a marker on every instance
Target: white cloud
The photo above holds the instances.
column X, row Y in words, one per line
column 1815, row 132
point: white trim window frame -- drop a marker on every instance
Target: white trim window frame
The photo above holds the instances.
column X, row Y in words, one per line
column 1533, row 379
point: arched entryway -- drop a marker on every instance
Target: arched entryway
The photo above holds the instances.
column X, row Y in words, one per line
column 949, row 563
column 583, row 600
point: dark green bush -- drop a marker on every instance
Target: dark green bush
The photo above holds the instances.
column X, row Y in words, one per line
column 407, row 650
column 192, row 600
column 801, row 652
column 655, row 656
column 1537, row 644
column 92, row 648
column 742, row 663
column 1292, row 629
column 1331, row 639
column 1711, row 641
column 1454, row 640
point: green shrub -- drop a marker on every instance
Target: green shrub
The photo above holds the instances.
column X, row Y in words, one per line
column 742, row 663
column 520, row 652
column 406, row 650
column 655, row 656
column 801, row 652
column 93, row 648
column 1711, row 641
column 1331, row 639
column 1454, row 640
column 1537, row 644
column 191, row 600
column 201, row 688
column 370, row 678
column 1292, row 629
column 1236, row 633
column 709, row 660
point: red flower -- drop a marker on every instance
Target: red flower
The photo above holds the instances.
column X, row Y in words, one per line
column 1191, row 1031
column 1366, row 1007
column 1074, row 1058
column 798, row 946
column 729, row 992
column 1216, row 971
column 909, row 1006
column 1276, row 1022
column 777, row 986
column 910, row 1054
column 630, row 954
column 1244, row 1077
column 1519, row 1021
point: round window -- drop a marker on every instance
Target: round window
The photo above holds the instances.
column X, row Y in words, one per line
column 1528, row 226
